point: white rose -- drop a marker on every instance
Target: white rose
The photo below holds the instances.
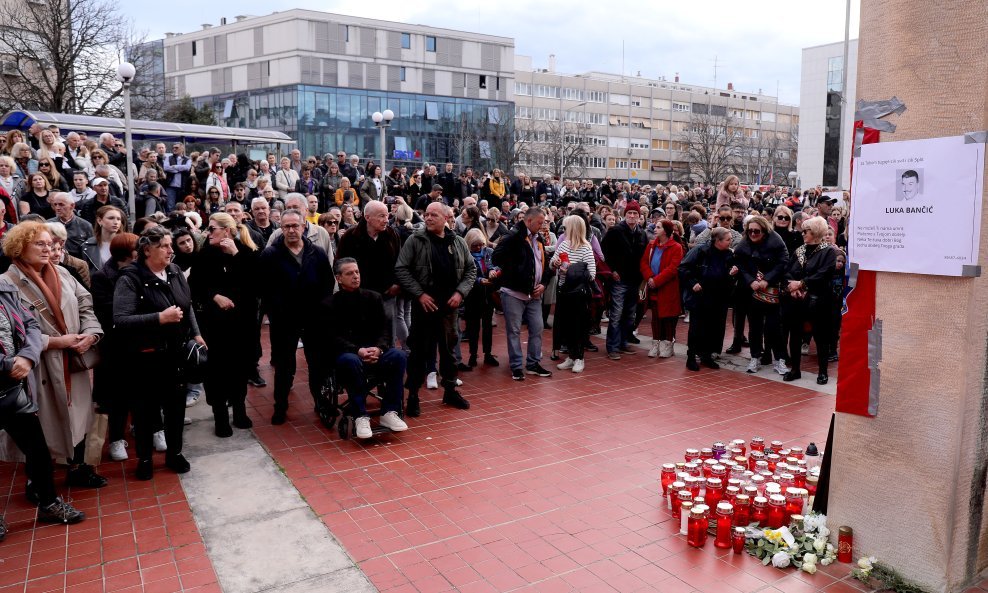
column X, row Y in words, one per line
column 826, row 561
column 810, row 559
column 820, row 545
column 780, row 560
column 809, row 568
column 864, row 563
column 823, row 532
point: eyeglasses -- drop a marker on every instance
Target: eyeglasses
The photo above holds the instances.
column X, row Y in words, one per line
column 754, row 231
column 291, row 226
column 804, row 231
column 211, row 229
column 43, row 245
column 783, row 218
column 331, row 223
column 44, row 165
column 725, row 218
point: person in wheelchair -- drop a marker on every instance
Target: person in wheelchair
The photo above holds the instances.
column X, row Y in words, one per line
column 359, row 344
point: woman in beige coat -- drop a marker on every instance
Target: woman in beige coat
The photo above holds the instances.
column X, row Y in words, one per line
column 64, row 310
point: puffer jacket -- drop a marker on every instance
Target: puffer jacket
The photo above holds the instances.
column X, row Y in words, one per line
column 414, row 267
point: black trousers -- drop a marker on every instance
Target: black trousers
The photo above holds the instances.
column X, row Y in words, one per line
column 284, row 343
column 742, row 301
column 25, row 430
column 765, row 321
column 478, row 311
column 429, row 332
column 819, row 316
column 708, row 322
column 573, row 320
column 162, row 391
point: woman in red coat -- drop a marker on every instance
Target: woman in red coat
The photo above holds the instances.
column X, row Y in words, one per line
column 660, row 266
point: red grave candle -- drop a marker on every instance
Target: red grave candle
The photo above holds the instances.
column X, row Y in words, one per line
column 777, row 511
column 725, row 522
column 696, row 528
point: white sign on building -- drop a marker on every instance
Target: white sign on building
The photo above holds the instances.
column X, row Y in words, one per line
column 916, row 206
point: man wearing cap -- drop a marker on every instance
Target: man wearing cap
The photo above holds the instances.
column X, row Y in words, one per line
column 623, row 247
column 435, row 194
column 88, row 208
column 825, row 206
column 177, row 167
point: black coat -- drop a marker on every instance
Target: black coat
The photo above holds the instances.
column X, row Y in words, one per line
column 291, row 292
column 353, row 320
column 139, row 296
column 376, row 259
column 710, row 268
column 514, row 256
column 769, row 256
column 623, row 250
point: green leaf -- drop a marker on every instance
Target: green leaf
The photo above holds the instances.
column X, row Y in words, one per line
column 767, row 560
column 808, row 546
column 761, row 543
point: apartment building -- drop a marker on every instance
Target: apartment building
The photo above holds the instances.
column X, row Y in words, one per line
column 601, row 124
column 318, row 77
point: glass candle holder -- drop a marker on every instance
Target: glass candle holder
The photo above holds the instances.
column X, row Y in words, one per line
column 684, row 516
column 757, row 444
column 776, row 511
column 725, row 523
column 737, row 540
column 742, row 510
column 739, row 444
column 691, row 455
column 759, row 510
column 667, row 477
column 677, row 501
column 714, row 492
column 696, row 528
column 674, row 488
column 706, row 453
column 719, row 449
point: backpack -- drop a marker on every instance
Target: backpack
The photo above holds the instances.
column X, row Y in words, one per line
column 577, row 280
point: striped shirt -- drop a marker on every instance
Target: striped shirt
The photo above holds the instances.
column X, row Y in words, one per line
column 582, row 254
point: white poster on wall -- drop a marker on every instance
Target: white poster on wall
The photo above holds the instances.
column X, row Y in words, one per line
column 916, row 206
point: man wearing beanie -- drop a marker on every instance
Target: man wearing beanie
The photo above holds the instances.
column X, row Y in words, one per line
column 623, row 246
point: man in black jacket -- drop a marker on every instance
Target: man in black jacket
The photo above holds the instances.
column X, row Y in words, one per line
column 623, row 247
column 360, row 342
column 524, row 275
column 374, row 245
column 450, row 183
column 296, row 278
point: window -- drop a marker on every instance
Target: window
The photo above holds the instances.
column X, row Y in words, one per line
column 625, row 164
column 596, row 141
column 752, row 115
column 597, row 119
column 616, row 120
column 617, row 142
column 768, row 116
column 193, row 48
column 718, row 110
column 523, row 88
column 546, row 114
column 522, row 112
column 700, row 108
column 406, row 41
column 639, row 144
column 572, row 94
column 835, row 72
column 679, row 146
column 347, row 33
column 551, row 92
column 574, row 117
column 596, row 96
column 401, row 74
column 661, row 104
column 681, row 107
column 617, row 99
column 639, row 101
column 660, row 145
column 483, row 81
column 430, row 44
column 431, row 110
column 737, row 113
column 596, row 162
column 751, row 133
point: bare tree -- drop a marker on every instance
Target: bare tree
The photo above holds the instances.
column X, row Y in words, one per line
column 61, row 55
column 714, row 147
column 555, row 147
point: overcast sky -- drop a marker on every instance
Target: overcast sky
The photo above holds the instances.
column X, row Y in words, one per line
column 756, row 43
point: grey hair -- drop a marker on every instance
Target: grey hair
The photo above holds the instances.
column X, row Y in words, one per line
column 58, row 231
column 293, row 197
column 151, row 236
column 338, row 264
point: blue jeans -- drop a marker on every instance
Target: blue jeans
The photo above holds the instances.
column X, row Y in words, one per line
column 173, row 195
column 621, row 316
column 351, row 372
column 516, row 311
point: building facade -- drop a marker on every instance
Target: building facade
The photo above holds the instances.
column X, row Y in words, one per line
column 822, row 130
column 600, row 125
column 318, row 77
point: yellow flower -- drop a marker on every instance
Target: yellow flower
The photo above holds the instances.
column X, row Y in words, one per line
column 773, row 535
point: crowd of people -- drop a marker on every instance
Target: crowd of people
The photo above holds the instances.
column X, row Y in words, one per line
column 378, row 278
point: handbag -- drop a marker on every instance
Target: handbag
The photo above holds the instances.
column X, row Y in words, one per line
column 77, row 362
column 193, row 362
column 12, row 398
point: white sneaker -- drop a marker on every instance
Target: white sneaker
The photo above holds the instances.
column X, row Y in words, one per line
column 118, row 450
column 686, row 318
column 192, row 399
column 362, row 429
column 459, row 382
column 665, row 349
column 159, row 441
column 565, row 365
column 300, row 345
column 753, row 365
column 431, row 381
column 578, row 366
column 780, row 367
column 804, row 349
column 394, row 422
column 653, row 350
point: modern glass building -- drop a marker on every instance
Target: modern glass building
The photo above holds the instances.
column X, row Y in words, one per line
column 318, row 77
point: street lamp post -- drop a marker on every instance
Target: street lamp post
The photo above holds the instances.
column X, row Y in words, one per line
column 383, row 122
column 125, row 74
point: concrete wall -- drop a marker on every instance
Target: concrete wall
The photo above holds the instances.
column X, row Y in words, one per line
column 911, row 481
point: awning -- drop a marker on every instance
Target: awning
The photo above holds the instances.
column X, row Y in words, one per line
column 142, row 129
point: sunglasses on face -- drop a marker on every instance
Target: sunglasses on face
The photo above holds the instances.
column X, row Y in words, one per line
column 783, row 218
column 754, row 231
column 724, row 218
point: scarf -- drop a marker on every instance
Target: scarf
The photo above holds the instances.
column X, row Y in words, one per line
column 50, row 286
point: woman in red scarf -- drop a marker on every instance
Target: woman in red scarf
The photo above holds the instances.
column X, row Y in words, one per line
column 64, row 310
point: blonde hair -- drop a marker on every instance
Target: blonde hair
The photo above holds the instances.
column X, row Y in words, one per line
column 474, row 235
column 576, row 231
column 226, row 221
column 817, row 226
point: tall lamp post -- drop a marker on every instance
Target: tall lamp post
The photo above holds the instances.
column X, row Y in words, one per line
column 383, row 122
column 125, row 74
column 792, row 179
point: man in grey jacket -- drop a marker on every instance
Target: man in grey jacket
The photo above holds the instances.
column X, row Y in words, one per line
column 435, row 267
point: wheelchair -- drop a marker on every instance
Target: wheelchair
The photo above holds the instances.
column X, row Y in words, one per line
column 335, row 408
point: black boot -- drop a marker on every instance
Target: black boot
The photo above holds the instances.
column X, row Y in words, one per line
column 412, row 408
column 240, row 417
column 453, row 398
column 221, row 418
column 691, row 362
column 709, row 362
